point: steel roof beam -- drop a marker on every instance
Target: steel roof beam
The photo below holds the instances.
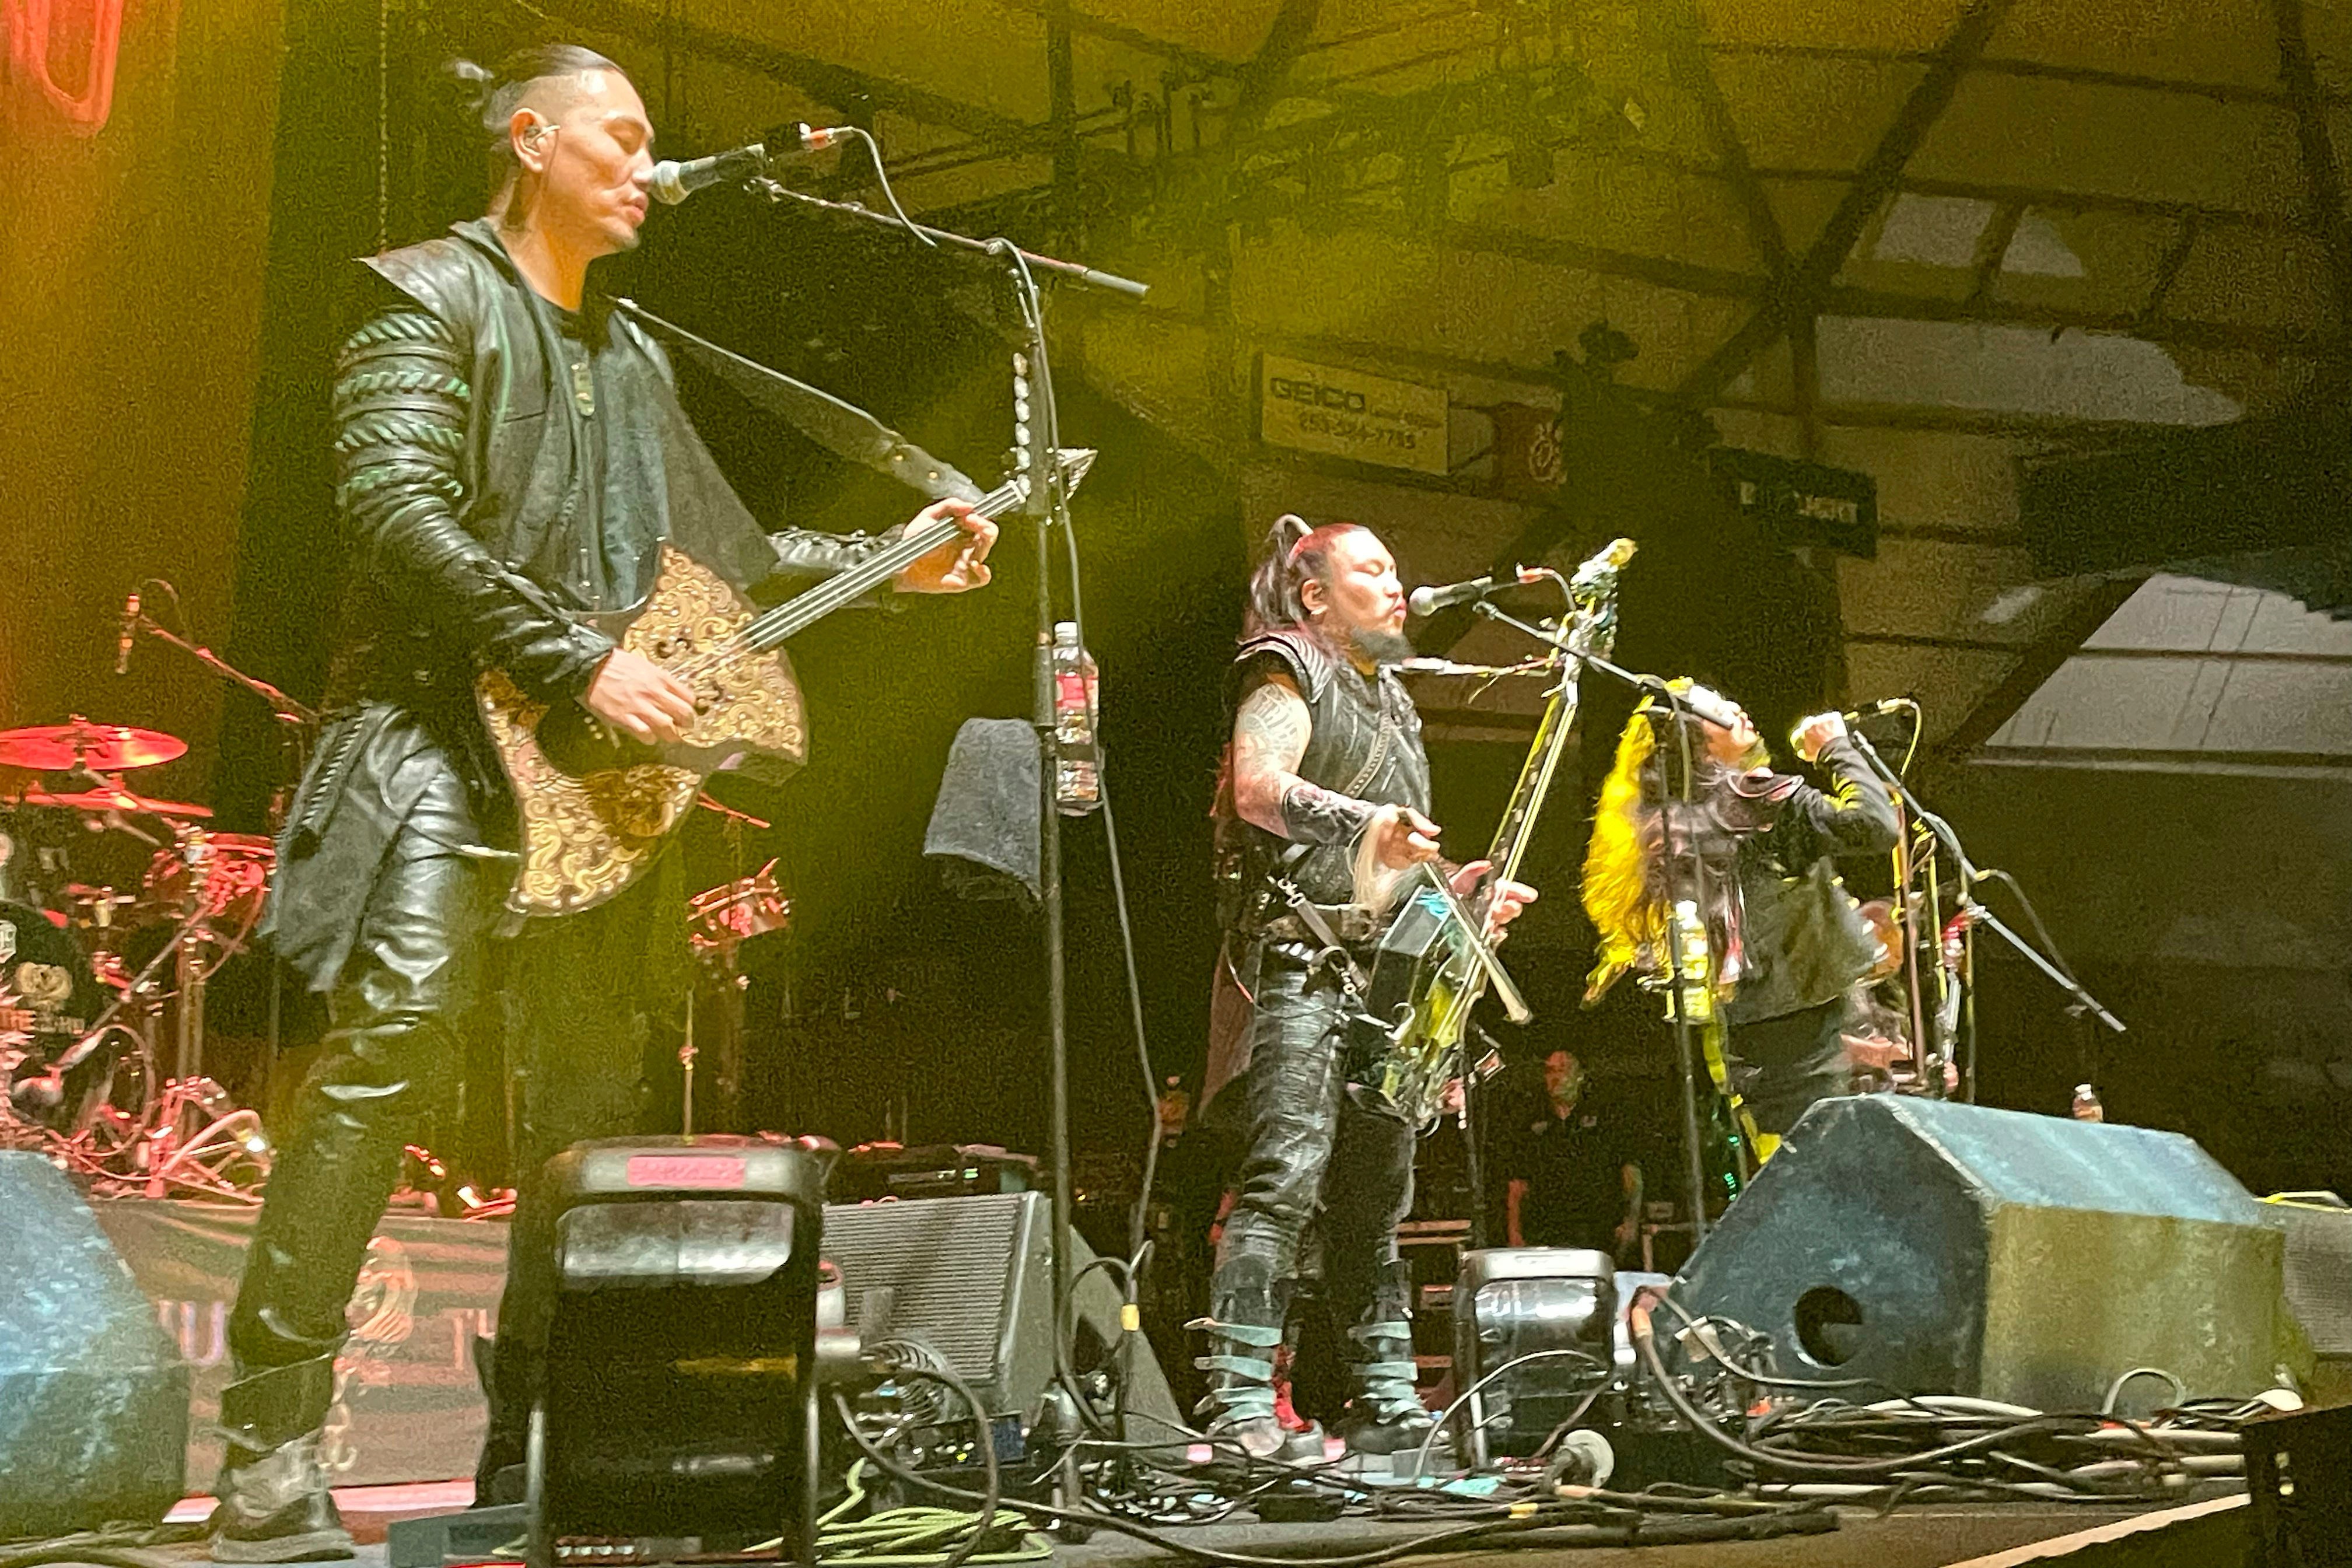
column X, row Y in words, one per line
column 2324, row 191
column 836, row 85
column 1873, row 183
column 1998, row 65
column 1268, row 70
column 2038, row 661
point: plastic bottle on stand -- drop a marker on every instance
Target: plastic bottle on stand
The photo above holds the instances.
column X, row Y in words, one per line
column 2086, row 1105
column 1077, row 758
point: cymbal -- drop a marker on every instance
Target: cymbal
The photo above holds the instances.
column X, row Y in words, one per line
column 99, row 801
column 101, row 748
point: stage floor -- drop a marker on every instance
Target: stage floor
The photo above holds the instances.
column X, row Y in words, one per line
column 2205, row 1534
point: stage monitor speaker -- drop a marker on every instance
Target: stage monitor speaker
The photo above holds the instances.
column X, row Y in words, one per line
column 93, row 1394
column 1947, row 1248
column 1558, row 1303
column 972, row 1278
column 679, row 1401
column 2320, row 1287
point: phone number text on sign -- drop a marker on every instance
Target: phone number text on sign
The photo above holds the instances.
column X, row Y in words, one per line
column 1348, row 413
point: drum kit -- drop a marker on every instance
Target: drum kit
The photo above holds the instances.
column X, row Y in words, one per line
column 101, row 988
column 102, row 983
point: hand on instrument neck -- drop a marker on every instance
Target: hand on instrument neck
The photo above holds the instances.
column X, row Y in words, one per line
column 1499, row 904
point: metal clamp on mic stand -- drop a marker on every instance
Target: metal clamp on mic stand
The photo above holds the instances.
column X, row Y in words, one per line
column 1976, row 914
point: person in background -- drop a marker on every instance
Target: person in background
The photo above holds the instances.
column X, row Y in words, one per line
column 1575, row 1176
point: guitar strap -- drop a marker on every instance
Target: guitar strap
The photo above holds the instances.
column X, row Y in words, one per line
column 1353, row 978
column 839, row 427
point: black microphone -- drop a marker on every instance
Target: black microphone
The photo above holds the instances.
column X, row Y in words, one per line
column 673, row 181
column 1428, row 600
column 129, row 633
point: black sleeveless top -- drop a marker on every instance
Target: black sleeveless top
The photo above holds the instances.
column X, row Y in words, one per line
column 1364, row 742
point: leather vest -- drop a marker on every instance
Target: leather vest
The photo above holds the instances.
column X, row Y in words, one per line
column 1364, row 741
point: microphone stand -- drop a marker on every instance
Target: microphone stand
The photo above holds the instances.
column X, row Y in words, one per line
column 302, row 730
column 1686, row 1052
column 1979, row 915
column 281, row 707
column 1036, row 440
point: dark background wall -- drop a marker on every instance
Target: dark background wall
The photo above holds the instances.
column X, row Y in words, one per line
column 131, row 280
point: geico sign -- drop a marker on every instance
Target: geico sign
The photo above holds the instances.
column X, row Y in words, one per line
column 1291, row 390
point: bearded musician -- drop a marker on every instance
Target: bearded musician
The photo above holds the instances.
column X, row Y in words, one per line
column 1326, row 786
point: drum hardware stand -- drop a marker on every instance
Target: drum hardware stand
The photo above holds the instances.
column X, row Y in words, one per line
column 725, row 918
column 286, row 710
column 301, row 728
column 188, row 1121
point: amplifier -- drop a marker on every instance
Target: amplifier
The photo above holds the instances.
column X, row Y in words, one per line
column 972, row 1278
column 875, row 1171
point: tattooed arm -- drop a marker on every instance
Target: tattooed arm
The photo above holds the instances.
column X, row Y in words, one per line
column 1270, row 734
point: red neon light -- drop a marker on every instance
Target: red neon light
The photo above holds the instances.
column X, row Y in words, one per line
column 29, row 33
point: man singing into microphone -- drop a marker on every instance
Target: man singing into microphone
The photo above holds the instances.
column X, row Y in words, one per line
column 1756, row 850
column 1326, row 786
column 508, row 455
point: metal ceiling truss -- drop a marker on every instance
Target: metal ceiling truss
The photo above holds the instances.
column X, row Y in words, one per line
column 2324, row 191
column 1801, row 293
column 1998, row 65
column 1241, row 178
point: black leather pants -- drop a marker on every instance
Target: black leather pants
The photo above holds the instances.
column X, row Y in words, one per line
column 1793, row 1061
column 1314, row 1151
column 578, row 1002
column 391, row 1058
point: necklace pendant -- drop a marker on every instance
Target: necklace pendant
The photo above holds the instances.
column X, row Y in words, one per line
column 584, row 386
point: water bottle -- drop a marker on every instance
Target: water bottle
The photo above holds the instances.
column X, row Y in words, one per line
column 2086, row 1105
column 1077, row 779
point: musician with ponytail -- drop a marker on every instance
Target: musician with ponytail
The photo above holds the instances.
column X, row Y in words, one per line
column 1324, row 794
column 510, row 458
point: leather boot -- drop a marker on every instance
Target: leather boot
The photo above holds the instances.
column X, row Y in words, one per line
column 510, row 1373
column 1245, row 1331
column 1240, row 1406
column 1385, row 1414
column 274, row 1505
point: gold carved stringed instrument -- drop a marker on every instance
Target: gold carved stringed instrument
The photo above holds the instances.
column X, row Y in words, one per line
column 595, row 805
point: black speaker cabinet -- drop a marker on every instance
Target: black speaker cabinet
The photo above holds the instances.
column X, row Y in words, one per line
column 680, row 1404
column 93, row 1394
column 972, row 1278
column 1947, row 1248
